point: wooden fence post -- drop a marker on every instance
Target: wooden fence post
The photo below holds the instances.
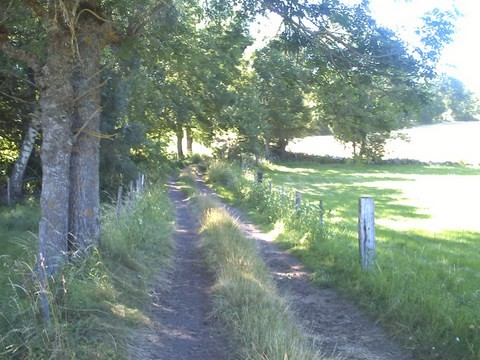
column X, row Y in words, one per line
column 366, row 232
column 119, row 201
column 259, row 176
column 132, row 192
column 138, row 185
column 283, row 191
column 298, row 200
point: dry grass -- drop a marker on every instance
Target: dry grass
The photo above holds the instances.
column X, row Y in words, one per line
column 245, row 297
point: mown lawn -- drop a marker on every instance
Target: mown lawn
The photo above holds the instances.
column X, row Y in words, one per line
column 406, row 196
column 425, row 287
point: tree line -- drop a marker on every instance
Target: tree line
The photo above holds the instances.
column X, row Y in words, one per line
column 91, row 92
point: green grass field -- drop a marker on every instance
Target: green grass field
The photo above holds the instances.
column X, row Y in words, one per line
column 425, row 284
column 406, row 196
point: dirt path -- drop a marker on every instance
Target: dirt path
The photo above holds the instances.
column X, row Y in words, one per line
column 337, row 324
column 183, row 330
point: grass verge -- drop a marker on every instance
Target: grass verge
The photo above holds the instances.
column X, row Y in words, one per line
column 96, row 302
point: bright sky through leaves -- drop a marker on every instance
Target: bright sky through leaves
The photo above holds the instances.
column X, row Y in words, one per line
column 460, row 58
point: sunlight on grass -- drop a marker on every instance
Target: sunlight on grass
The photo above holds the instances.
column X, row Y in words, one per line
column 129, row 314
column 425, row 287
column 435, row 202
column 97, row 301
column 246, row 299
column 450, row 141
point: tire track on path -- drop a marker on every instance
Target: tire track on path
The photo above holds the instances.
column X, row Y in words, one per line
column 337, row 325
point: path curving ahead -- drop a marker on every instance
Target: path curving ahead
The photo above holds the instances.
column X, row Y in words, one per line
column 182, row 328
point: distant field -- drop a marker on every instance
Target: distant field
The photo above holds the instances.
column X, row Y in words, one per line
column 458, row 142
column 408, row 197
column 448, row 201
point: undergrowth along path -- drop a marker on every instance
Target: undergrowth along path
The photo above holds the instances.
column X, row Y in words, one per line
column 337, row 325
column 181, row 304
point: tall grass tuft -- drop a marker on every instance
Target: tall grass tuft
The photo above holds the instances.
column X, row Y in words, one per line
column 96, row 301
column 245, row 297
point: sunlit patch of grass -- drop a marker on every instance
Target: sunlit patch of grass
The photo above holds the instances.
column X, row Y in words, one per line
column 130, row 315
column 407, row 196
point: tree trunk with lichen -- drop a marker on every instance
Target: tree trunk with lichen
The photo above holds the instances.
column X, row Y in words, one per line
column 70, row 113
column 56, row 104
column 179, row 133
column 189, row 133
column 84, row 211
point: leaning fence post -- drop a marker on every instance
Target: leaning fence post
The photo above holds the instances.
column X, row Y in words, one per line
column 132, row 192
column 119, row 201
column 366, row 232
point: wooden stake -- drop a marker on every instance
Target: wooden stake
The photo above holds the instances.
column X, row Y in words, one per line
column 366, row 232
column 298, row 201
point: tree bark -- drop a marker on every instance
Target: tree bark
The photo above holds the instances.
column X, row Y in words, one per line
column 179, row 133
column 189, row 133
column 268, row 150
column 280, row 148
column 56, row 104
column 84, row 210
column 18, row 172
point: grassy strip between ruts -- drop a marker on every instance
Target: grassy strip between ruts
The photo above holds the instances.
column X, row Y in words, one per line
column 246, row 299
column 96, row 302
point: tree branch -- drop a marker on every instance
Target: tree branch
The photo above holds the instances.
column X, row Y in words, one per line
column 12, row 52
column 312, row 34
column 37, row 8
column 134, row 29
